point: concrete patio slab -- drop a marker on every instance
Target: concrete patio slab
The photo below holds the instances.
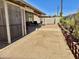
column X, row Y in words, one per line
column 47, row 42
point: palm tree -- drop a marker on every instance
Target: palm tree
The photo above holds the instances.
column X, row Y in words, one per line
column 61, row 8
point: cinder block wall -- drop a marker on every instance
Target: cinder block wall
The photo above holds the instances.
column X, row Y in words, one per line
column 51, row 20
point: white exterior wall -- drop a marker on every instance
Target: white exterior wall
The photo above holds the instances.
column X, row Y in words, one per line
column 36, row 18
column 52, row 20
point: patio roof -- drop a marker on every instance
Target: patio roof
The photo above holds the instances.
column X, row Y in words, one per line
column 22, row 2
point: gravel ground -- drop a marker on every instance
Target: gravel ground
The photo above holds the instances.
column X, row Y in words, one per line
column 47, row 42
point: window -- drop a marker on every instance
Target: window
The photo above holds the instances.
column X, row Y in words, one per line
column 29, row 16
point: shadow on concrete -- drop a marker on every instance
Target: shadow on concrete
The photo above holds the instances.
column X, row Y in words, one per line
column 29, row 28
column 32, row 26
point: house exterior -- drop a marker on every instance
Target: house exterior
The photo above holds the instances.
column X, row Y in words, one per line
column 14, row 14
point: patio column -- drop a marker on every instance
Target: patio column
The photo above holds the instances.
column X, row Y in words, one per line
column 25, row 23
column 22, row 17
column 7, row 21
column 24, row 32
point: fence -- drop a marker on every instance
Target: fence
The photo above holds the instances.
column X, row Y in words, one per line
column 50, row 20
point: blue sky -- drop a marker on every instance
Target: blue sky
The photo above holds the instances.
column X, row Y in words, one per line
column 50, row 7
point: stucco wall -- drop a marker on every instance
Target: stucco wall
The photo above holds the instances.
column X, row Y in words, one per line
column 36, row 18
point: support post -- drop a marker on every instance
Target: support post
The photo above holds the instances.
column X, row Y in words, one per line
column 7, row 21
column 22, row 18
column 25, row 22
